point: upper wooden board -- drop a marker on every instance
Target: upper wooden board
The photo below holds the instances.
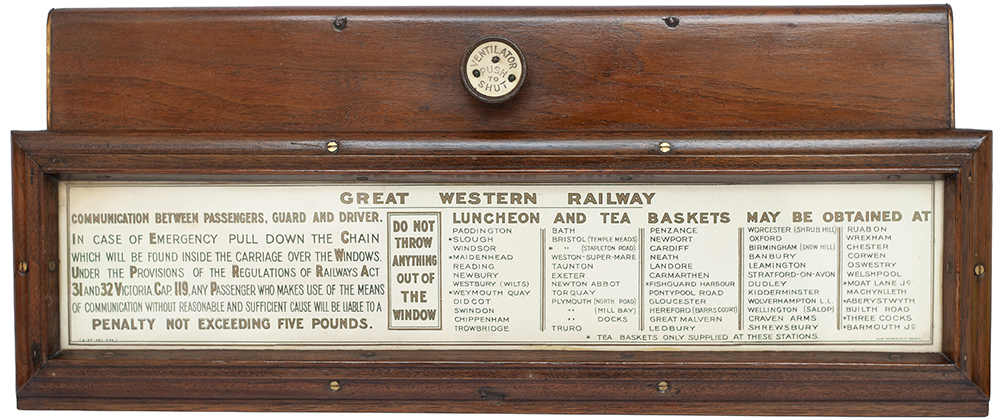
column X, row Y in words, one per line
column 291, row 69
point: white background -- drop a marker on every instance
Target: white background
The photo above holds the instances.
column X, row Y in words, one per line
column 23, row 105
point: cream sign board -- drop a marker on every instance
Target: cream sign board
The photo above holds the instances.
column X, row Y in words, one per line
column 792, row 266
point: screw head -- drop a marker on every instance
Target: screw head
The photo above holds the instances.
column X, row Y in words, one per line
column 664, row 147
column 335, row 386
column 672, row 21
column 22, row 267
column 663, row 387
column 980, row 270
column 53, row 266
column 340, row 23
column 332, row 147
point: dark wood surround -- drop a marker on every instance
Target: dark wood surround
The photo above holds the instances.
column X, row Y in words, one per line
column 263, row 70
column 741, row 94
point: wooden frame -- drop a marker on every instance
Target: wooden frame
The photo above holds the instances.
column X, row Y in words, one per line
column 91, row 137
column 955, row 382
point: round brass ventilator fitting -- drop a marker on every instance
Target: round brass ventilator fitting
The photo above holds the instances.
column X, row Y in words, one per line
column 493, row 69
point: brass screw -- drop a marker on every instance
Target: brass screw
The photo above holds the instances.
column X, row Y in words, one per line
column 980, row 270
column 663, row 387
column 332, row 147
column 664, row 147
column 52, row 265
column 335, row 386
column 22, row 267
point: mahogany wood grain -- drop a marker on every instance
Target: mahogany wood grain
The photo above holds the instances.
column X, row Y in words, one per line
column 460, row 157
column 588, row 69
column 954, row 382
column 36, row 241
column 975, row 360
column 811, row 94
column 742, row 408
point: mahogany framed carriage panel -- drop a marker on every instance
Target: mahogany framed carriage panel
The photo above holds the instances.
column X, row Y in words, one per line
column 740, row 94
column 954, row 382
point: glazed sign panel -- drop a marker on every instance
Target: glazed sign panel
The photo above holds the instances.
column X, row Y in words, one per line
column 849, row 266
